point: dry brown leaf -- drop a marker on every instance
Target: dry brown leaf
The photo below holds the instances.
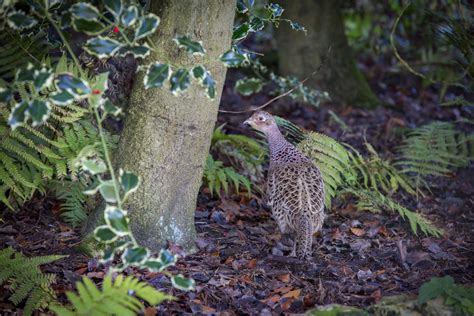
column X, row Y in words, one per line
column 284, row 277
column 357, row 231
column 293, row 294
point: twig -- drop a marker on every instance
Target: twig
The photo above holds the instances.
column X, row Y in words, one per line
column 259, row 107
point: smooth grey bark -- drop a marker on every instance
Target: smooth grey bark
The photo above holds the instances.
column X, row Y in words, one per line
column 166, row 138
column 300, row 55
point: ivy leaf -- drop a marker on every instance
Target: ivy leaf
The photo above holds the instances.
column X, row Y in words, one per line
column 192, row 47
column 38, row 110
column 114, row 6
column 181, row 283
column 137, row 51
column 232, row 59
column 18, row 20
column 73, row 85
column 129, row 181
column 105, row 234
column 248, row 86
column 107, row 190
column 117, row 220
column 129, row 16
column 94, row 166
column 110, row 108
column 61, row 98
column 42, row 78
column 240, row 32
column 135, row 255
column 179, row 81
column 147, row 25
column 5, row 95
column 25, row 74
column 156, row 75
column 18, row 115
column 102, row 47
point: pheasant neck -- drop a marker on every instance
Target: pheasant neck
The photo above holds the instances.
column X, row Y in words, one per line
column 276, row 142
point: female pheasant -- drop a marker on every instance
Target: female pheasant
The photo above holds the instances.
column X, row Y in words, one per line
column 295, row 187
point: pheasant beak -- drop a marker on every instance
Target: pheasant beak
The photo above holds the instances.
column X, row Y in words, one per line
column 247, row 123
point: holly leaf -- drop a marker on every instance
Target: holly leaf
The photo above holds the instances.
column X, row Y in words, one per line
column 147, row 25
column 117, row 220
column 102, row 47
column 179, row 81
column 114, row 6
column 129, row 16
column 275, row 9
column 73, row 85
column 181, row 283
column 94, row 166
column 297, row 27
column 256, row 24
column 137, row 51
column 167, row 258
column 25, row 74
column 110, row 108
column 85, row 18
column 232, row 59
column 5, row 95
column 42, row 78
column 18, row 115
column 248, row 86
column 105, row 234
column 156, row 75
column 39, row 111
column 18, row 20
column 107, row 190
column 129, row 181
column 135, row 255
column 154, row 265
column 240, row 32
column 61, row 98
column 192, row 47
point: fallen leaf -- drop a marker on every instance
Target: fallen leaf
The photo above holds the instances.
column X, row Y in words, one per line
column 293, row 294
column 282, row 290
column 357, row 231
column 150, row 311
column 285, row 303
column 252, row 264
column 284, row 278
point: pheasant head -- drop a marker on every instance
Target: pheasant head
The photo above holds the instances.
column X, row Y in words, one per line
column 262, row 121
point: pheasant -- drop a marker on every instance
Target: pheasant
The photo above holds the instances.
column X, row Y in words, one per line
column 295, row 187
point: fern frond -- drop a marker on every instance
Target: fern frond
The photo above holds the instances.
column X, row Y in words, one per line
column 217, row 177
column 74, row 201
column 374, row 201
column 119, row 297
column 25, row 279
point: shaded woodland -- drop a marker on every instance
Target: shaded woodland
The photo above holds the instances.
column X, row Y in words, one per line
column 129, row 184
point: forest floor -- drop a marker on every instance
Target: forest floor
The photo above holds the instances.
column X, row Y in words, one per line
column 240, row 266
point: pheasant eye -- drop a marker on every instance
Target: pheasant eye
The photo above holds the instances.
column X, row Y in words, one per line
column 261, row 118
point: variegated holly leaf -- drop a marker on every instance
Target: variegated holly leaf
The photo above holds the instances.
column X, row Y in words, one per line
column 147, row 25
column 198, row 72
column 256, row 24
column 248, row 86
column 135, row 255
column 129, row 16
column 43, row 78
column 297, row 27
column 94, row 166
column 61, row 98
column 182, row 283
column 110, row 108
column 192, row 47
column 137, row 51
column 244, row 5
column 114, row 6
column 5, row 95
column 102, row 47
column 105, row 234
column 231, row 58
column 107, row 255
column 275, row 9
column 39, row 111
column 107, row 190
column 240, row 32
column 18, row 20
column 117, row 220
column 205, row 79
column 156, row 75
column 73, row 85
column 179, row 81
column 129, row 181
column 154, row 265
column 85, row 18
column 25, row 74
column 18, row 115
column 167, row 258
column 65, row 20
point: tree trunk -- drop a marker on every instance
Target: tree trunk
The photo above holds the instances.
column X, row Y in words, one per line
column 300, row 55
column 166, row 138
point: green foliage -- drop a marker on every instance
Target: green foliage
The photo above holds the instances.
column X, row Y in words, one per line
column 121, row 296
column 435, row 149
column 243, row 153
column 331, row 158
column 336, row 310
column 25, row 280
column 375, row 201
column 217, row 177
column 461, row 298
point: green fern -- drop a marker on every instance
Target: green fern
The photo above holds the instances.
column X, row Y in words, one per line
column 119, row 297
column 331, row 158
column 25, row 280
column 435, row 149
column 217, row 177
column 375, row 201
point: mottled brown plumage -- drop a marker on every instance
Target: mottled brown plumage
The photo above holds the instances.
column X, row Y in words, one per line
column 295, row 188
